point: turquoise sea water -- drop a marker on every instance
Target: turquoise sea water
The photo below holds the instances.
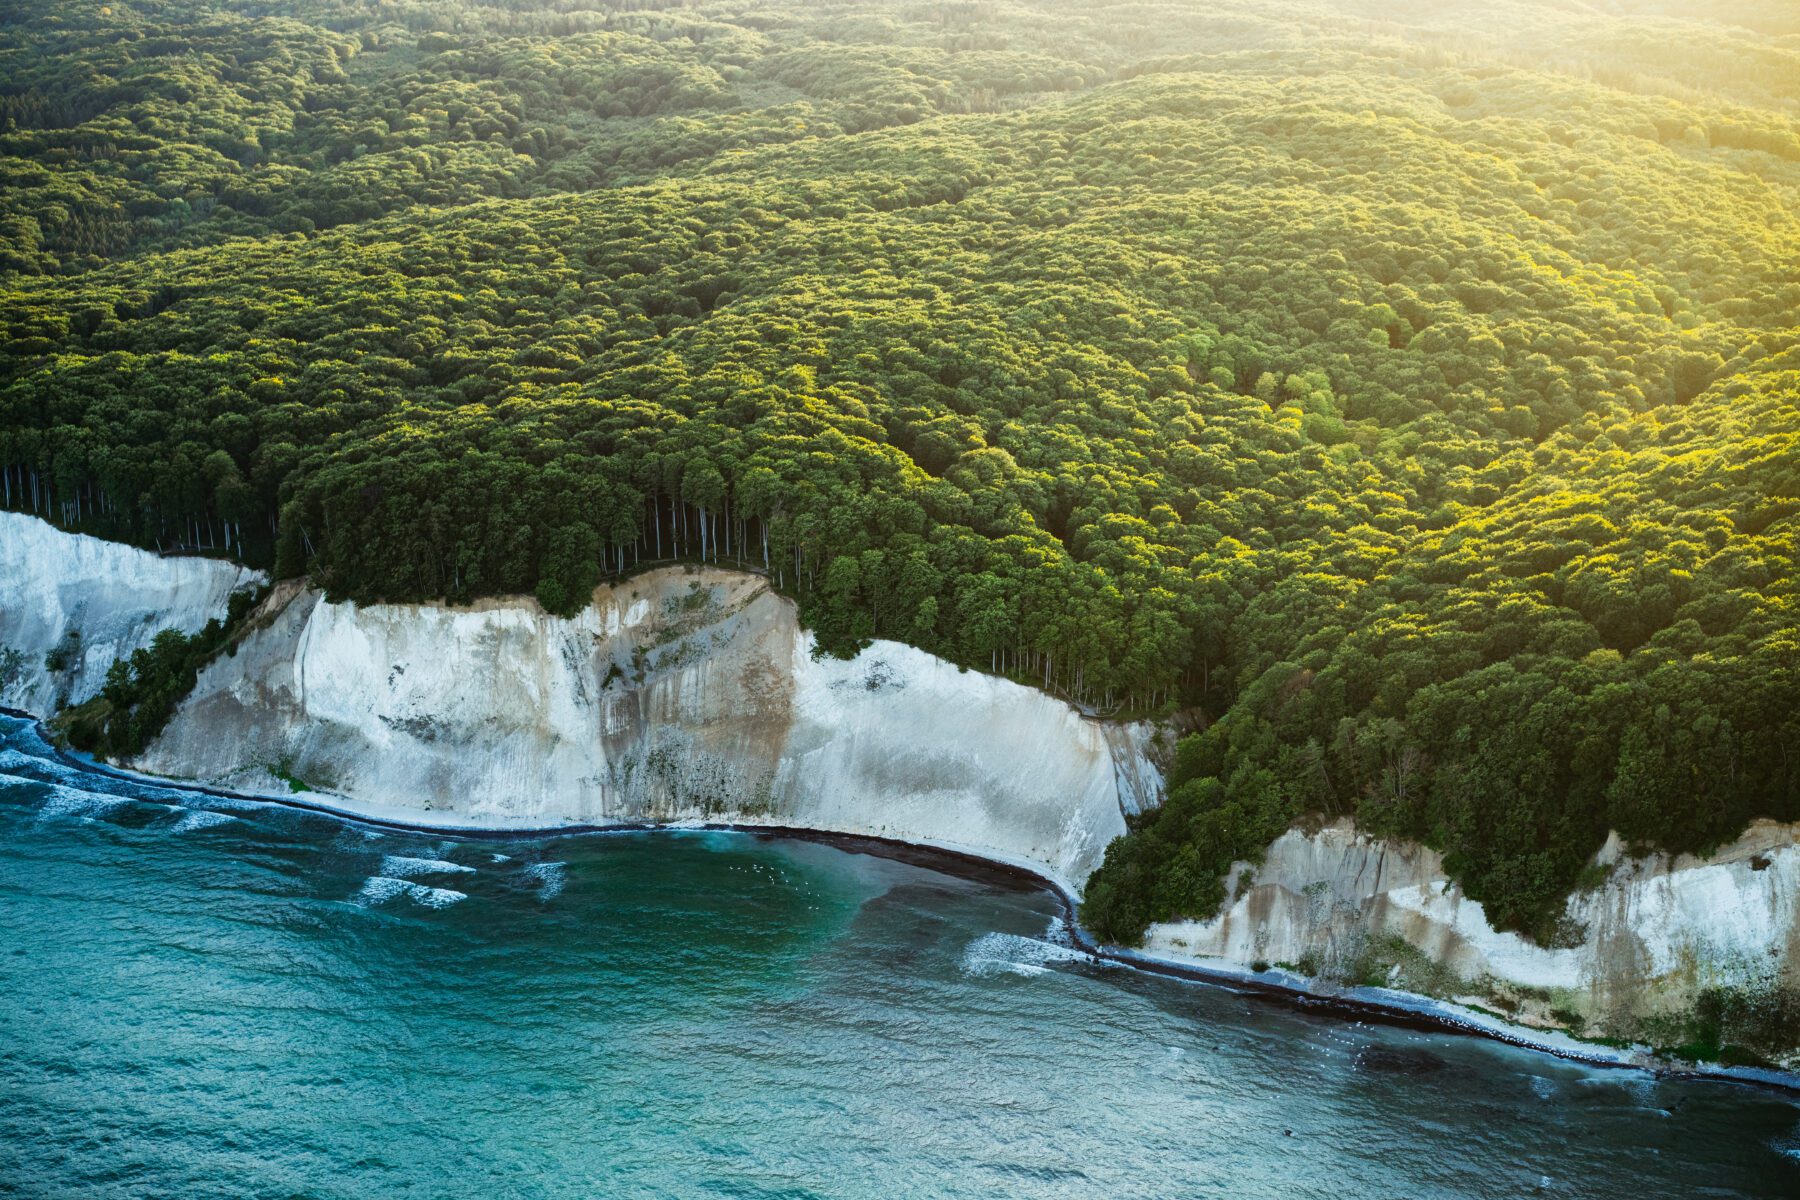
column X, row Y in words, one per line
column 200, row 997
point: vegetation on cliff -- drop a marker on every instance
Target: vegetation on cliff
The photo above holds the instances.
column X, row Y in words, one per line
column 141, row 692
column 1415, row 395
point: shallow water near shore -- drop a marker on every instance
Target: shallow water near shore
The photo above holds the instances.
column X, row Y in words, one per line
column 204, row 997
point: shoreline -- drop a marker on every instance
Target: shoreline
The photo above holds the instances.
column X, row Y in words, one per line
column 1383, row 1005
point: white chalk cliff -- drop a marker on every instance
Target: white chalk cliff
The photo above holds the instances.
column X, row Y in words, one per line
column 693, row 695
column 1639, row 950
column 92, row 601
column 680, row 695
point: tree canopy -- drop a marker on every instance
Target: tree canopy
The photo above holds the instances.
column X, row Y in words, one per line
column 1409, row 396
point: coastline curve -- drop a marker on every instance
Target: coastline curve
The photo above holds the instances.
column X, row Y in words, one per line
column 1400, row 1009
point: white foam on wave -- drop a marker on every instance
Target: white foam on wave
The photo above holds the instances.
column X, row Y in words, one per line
column 35, row 768
column 354, row 839
column 399, row 866
column 200, row 818
column 378, row 889
column 234, row 803
column 550, row 877
column 432, row 897
column 43, row 772
column 73, row 802
column 1011, row 953
column 14, row 760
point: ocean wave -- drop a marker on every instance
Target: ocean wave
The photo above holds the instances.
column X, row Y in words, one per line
column 32, row 768
column 432, row 897
column 13, row 761
column 64, row 802
column 354, row 839
column 1014, row 954
column 234, row 803
column 399, row 866
column 550, row 877
column 378, row 889
column 200, row 818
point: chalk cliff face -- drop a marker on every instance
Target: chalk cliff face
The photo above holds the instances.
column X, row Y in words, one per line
column 93, row 602
column 693, row 695
column 679, row 695
column 1643, row 955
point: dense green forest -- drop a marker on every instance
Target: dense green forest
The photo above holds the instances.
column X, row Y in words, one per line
column 1405, row 397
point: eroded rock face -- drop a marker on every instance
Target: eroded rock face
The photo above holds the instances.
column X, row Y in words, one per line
column 1642, row 954
column 91, row 602
column 679, row 695
column 693, row 695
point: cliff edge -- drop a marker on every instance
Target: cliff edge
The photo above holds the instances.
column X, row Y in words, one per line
column 693, row 695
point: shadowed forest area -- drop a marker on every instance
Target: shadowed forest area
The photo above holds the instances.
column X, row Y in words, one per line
column 1406, row 394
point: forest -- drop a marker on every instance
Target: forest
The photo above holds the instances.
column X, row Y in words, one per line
column 1404, row 399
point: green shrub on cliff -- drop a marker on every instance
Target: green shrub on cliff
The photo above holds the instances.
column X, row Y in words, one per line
column 142, row 692
column 12, row 666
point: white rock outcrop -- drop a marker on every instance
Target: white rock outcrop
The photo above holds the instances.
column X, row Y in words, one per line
column 96, row 601
column 681, row 695
column 688, row 695
column 1640, row 950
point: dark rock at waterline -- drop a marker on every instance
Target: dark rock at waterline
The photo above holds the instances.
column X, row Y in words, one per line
column 1398, row 1060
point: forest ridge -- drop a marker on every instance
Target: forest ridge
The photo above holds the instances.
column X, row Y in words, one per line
column 1407, row 396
